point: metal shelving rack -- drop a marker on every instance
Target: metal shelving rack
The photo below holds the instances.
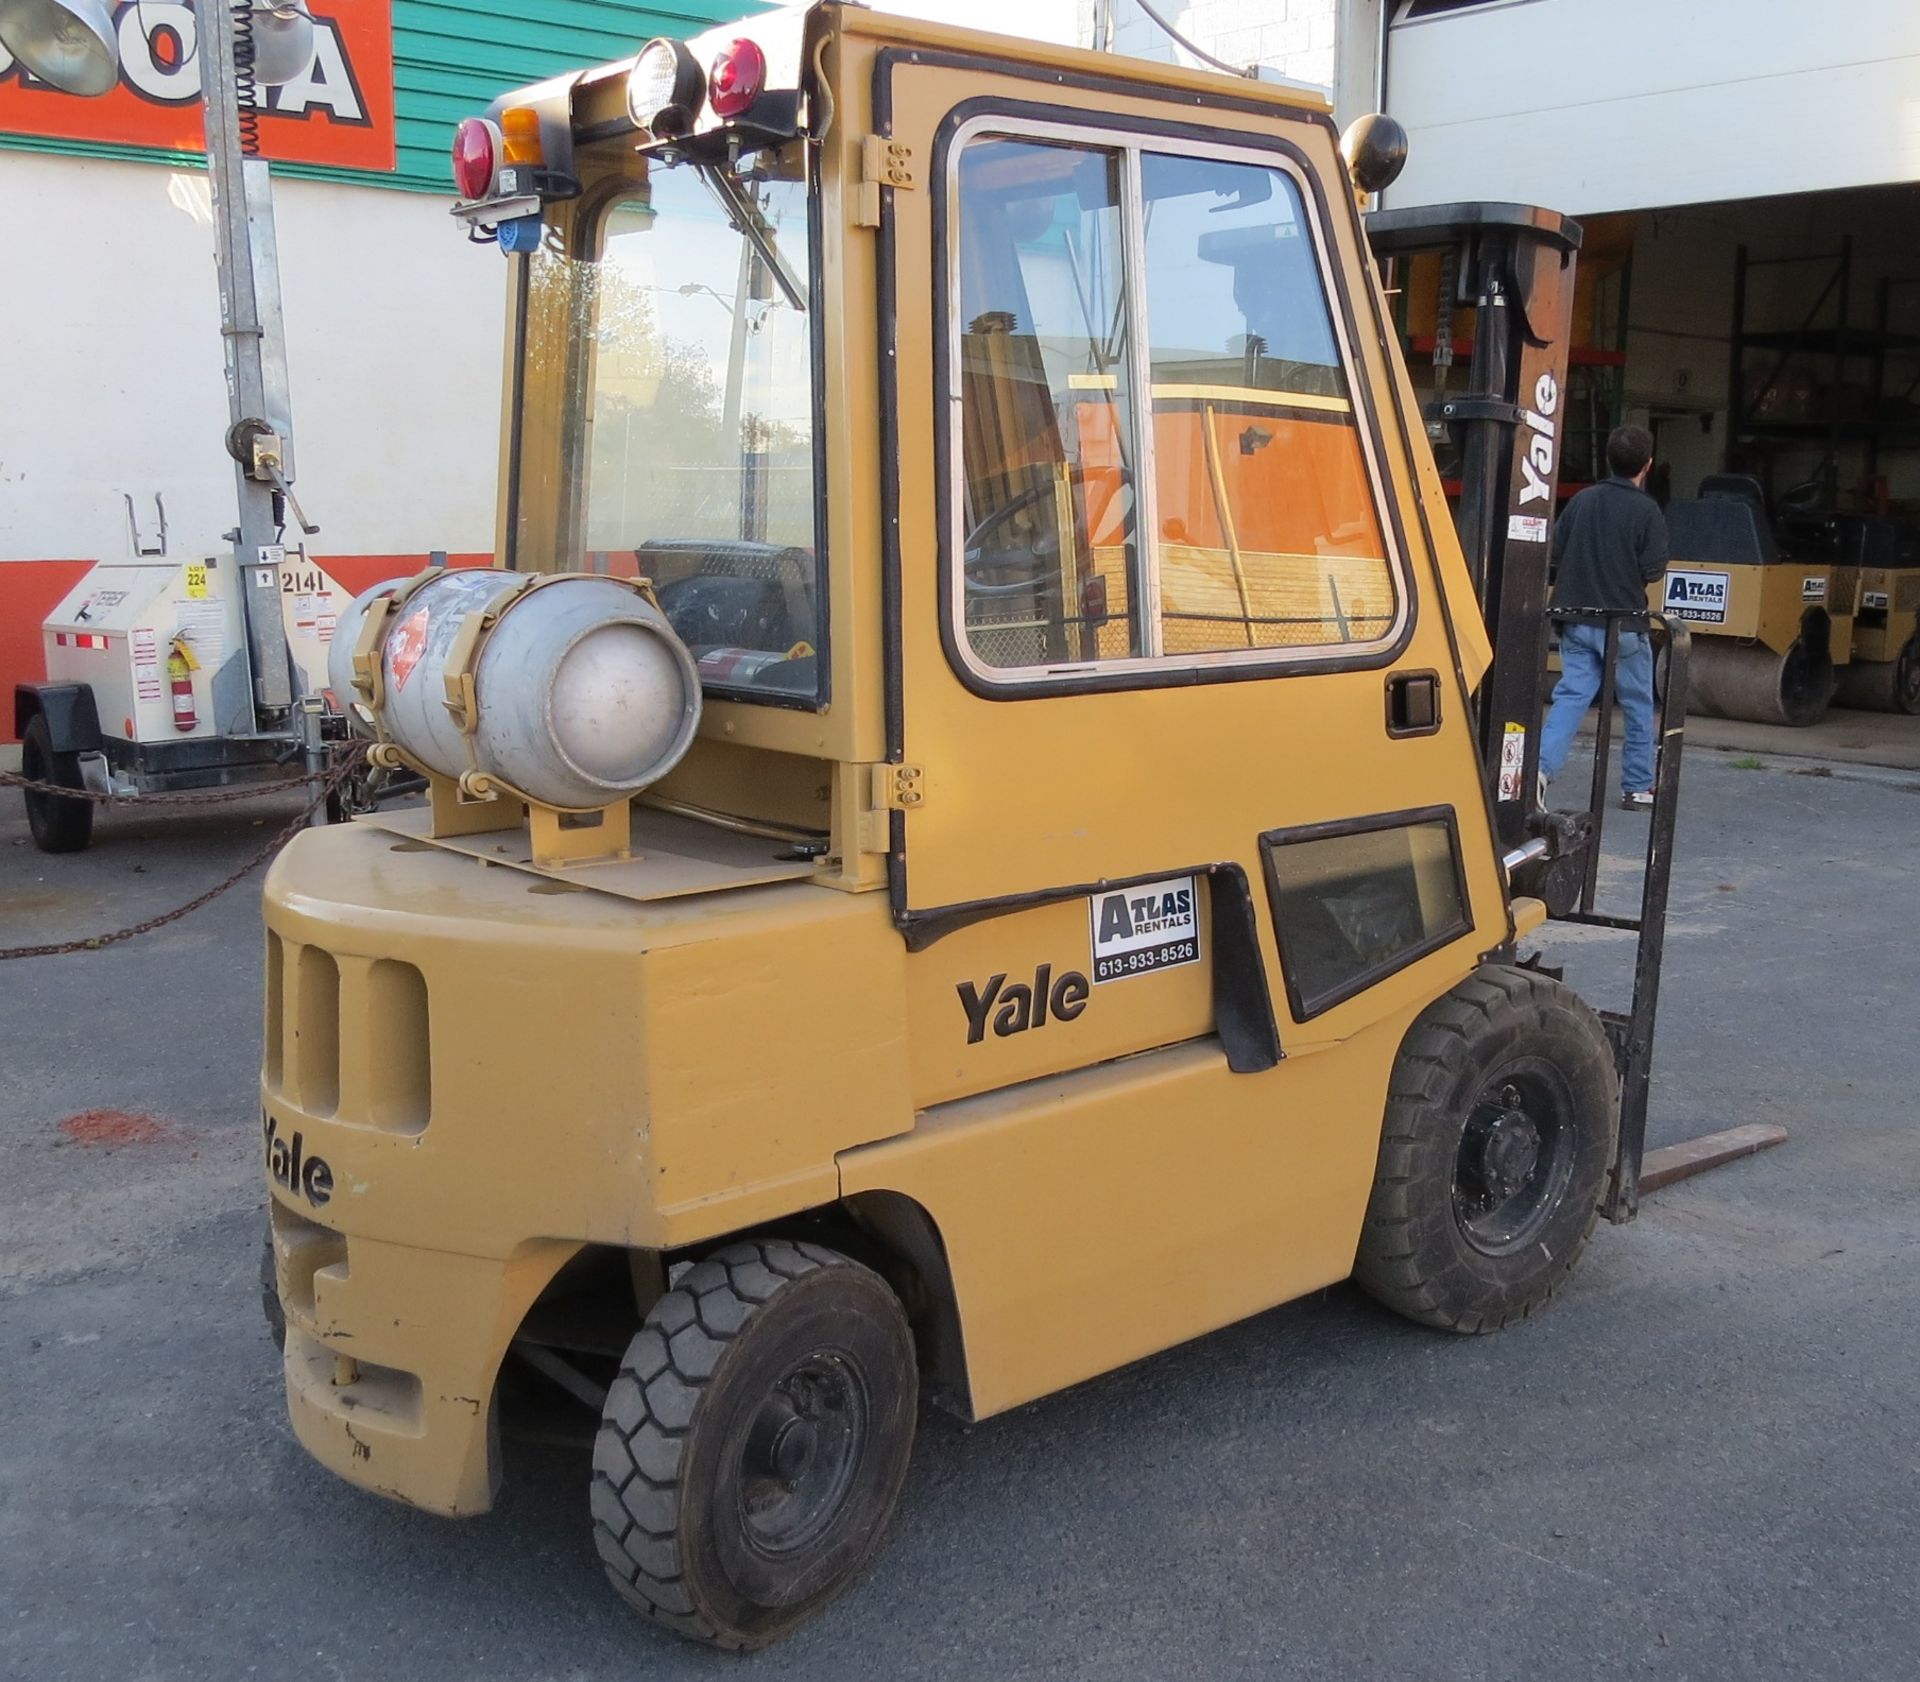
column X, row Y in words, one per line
column 1862, row 418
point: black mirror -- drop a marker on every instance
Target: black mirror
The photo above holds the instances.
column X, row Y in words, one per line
column 1375, row 150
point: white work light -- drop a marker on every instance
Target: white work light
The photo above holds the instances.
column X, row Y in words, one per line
column 282, row 40
column 66, row 43
column 70, row 45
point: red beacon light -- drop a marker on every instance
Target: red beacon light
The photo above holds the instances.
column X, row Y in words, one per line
column 736, row 79
column 476, row 154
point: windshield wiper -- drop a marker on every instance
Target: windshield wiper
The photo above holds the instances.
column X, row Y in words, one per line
column 747, row 217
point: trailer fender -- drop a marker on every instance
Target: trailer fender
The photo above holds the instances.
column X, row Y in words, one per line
column 73, row 721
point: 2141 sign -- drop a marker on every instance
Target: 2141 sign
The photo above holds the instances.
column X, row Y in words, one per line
column 339, row 112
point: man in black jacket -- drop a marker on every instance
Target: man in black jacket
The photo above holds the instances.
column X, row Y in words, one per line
column 1608, row 546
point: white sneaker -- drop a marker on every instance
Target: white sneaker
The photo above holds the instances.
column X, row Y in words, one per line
column 1637, row 799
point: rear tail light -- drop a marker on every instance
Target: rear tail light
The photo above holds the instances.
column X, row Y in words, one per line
column 739, row 73
column 476, row 154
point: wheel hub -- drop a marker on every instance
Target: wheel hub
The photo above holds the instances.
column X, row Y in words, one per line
column 800, row 1453
column 1515, row 1156
column 1509, row 1152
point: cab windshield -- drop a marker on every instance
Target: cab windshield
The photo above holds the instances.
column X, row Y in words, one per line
column 687, row 445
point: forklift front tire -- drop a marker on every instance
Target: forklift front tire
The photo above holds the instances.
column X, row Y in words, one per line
column 1499, row 1135
column 753, row 1446
column 58, row 825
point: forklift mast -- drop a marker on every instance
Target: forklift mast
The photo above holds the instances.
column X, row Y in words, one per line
column 1513, row 265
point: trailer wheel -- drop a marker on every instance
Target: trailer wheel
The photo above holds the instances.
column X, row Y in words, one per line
column 58, row 825
column 1499, row 1136
column 752, row 1447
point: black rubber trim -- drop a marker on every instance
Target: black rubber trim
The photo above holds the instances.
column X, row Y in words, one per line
column 893, row 677
column 817, row 343
column 1304, row 1010
column 1242, row 1002
column 72, row 715
column 516, row 406
column 1385, row 505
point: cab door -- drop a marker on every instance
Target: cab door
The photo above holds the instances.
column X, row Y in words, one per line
column 1166, row 606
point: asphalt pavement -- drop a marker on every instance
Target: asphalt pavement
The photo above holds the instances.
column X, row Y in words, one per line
column 1700, row 1463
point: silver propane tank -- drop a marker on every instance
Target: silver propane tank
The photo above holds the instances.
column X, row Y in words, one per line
column 580, row 693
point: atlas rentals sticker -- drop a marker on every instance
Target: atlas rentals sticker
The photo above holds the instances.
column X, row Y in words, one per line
column 1699, row 597
column 1151, row 927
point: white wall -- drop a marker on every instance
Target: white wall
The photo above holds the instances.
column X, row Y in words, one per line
column 1294, row 38
column 1594, row 105
column 113, row 372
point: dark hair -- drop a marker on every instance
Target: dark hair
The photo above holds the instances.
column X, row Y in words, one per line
column 1629, row 449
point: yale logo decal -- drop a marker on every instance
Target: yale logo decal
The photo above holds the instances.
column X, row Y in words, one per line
column 1022, row 1006
column 292, row 1169
column 1536, row 461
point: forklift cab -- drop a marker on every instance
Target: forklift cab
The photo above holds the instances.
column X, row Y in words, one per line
column 1079, row 920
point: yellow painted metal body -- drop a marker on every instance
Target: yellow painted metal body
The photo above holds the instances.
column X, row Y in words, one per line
column 1763, row 604
column 497, row 1066
column 1889, row 612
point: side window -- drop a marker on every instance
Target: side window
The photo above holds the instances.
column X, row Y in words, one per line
column 1158, row 458
column 1356, row 904
column 1048, row 544
column 1269, row 536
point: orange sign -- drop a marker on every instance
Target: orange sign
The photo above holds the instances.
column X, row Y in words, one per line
column 339, row 112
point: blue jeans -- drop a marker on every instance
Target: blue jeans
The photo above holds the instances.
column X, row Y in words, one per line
column 1582, row 650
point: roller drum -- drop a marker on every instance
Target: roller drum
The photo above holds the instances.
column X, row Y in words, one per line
column 1727, row 679
column 1885, row 686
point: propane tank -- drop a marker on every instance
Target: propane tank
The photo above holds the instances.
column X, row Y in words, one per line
column 582, row 692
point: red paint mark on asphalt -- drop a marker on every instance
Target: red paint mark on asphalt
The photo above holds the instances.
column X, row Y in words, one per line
column 113, row 1128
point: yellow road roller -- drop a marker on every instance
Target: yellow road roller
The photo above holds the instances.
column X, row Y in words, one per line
column 1769, row 629
column 967, row 842
column 1884, row 673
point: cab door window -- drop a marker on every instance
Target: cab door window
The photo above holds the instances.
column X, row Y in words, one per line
column 1048, row 563
column 1159, row 460
column 1268, row 532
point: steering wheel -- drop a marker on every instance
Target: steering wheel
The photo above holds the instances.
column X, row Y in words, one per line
column 977, row 558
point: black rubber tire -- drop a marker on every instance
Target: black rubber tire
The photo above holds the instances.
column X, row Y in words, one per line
column 58, row 826
column 1906, row 678
column 671, row 1492
column 1417, row 1255
column 275, row 1315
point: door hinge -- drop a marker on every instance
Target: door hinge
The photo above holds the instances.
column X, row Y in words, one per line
column 890, row 788
column 883, row 163
column 899, row 787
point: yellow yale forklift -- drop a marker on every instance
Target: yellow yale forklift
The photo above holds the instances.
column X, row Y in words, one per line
column 971, row 836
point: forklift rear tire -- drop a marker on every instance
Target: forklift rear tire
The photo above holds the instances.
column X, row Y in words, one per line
column 275, row 1315
column 753, row 1446
column 1499, row 1136
column 58, row 826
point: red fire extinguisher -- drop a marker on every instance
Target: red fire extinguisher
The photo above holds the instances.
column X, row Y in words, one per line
column 180, row 667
